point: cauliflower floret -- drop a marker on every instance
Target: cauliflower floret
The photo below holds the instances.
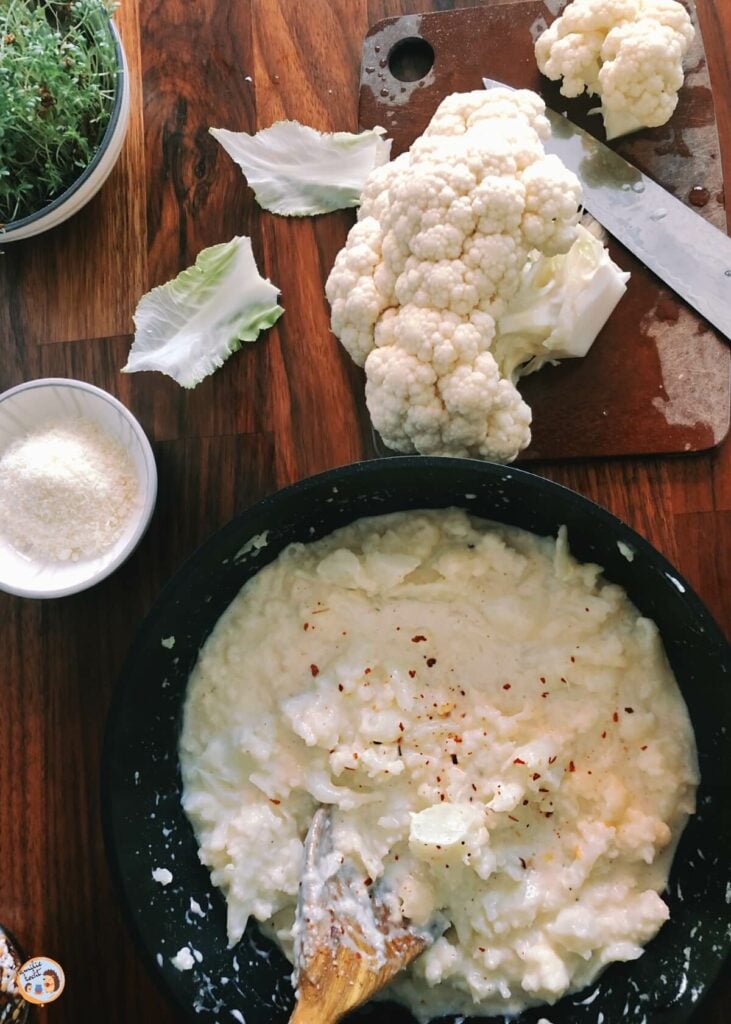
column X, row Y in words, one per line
column 433, row 385
column 462, row 111
column 356, row 299
column 628, row 52
column 443, row 235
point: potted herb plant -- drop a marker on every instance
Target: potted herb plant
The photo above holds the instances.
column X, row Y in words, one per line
column 64, row 109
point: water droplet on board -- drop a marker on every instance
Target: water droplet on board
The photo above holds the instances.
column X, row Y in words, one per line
column 625, row 188
column 382, row 62
column 727, row 273
column 658, row 214
column 369, row 71
column 377, row 49
column 699, row 196
column 384, row 92
column 638, row 187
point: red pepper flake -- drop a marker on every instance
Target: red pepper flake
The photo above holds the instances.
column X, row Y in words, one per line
column 369, row 880
column 442, row 797
column 398, row 747
column 644, row 748
column 604, row 734
column 314, row 670
column 546, row 693
column 454, row 759
column 431, row 662
column 548, row 814
column 355, row 756
column 543, row 679
column 512, row 818
column 306, row 626
column 401, row 726
column 518, row 760
column 412, row 672
column 474, row 787
column 341, row 687
column 506, row 686
column 418, row 639
column 463, row 693
column 615, row 717
column 541, row 790
column 630, row 711
column 572, row 766
column 562, row 679
column 573, row 659
column 277, row 802
column 535, row 775
column 366, row 671
column 552, row 759
column 522, row 863
column 525, row 803
column 481, row 949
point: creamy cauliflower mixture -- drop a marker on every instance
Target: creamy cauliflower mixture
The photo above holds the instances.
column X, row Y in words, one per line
column 496, row 728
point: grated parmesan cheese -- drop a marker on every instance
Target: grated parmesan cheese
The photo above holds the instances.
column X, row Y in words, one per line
column 67, row 491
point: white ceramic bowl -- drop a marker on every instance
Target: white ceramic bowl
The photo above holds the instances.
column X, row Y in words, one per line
column 93, row 177
column 21, row 409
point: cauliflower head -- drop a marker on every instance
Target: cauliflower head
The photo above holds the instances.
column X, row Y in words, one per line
column 628, row 52
column 443, row 235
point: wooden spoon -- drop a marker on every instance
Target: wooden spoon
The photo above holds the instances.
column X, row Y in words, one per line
column 346, row 947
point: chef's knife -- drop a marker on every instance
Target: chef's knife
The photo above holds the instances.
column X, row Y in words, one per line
column 690, row 255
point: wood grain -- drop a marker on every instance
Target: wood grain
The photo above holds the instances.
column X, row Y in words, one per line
column 288, row 405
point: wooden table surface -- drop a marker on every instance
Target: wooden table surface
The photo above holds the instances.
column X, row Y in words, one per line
column 286, row 407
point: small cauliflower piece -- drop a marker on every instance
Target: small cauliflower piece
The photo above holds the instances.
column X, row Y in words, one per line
column 443, row 235
column 628, row 52
column 442, row 827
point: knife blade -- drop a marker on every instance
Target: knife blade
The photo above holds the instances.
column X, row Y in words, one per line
column 690, row 255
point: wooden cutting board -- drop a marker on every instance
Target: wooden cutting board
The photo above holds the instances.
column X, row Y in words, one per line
column 657, row 378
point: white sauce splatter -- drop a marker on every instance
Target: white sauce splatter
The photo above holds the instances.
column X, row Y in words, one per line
column 676, row 583
column 196, row 908
column 626, row 551
column 183, row 959
column 162, row 875
column 255, row 543
column 589, row 999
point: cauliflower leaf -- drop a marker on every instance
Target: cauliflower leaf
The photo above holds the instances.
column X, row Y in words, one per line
column 189, row 326
column 561, row 306
column 297, row 171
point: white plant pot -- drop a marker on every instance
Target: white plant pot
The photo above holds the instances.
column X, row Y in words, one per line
column 90, row 180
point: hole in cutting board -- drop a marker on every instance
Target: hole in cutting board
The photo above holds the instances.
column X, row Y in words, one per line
column 410, row 59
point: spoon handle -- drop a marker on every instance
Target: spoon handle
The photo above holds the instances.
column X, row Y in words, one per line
column 306, row 1012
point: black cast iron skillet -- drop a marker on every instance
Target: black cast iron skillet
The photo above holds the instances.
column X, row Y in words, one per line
column 145, row 827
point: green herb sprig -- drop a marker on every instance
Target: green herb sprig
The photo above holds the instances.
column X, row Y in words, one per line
column 58, row 69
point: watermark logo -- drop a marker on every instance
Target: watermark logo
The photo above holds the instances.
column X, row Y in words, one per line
column 40, row 980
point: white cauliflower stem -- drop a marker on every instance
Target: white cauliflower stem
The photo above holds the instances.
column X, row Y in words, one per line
column 443, row 236
column 628, row 52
